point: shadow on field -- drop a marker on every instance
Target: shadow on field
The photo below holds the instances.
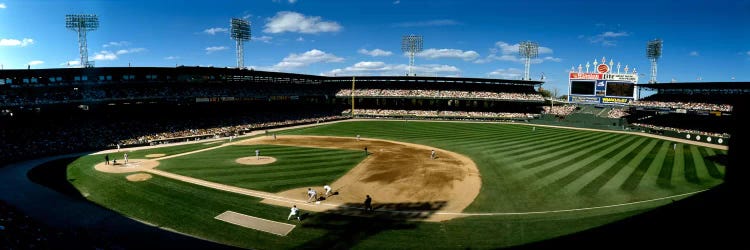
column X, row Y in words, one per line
column 350, row 224
column 53, row 175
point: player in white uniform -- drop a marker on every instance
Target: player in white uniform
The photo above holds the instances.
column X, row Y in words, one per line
column 126, row 158
column 295, row 212
column 357, row 137
column 257, row 153
column 432, row 155
column 313, row 196
column 328, row 190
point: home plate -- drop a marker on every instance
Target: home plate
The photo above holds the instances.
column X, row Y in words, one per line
column 256, row 223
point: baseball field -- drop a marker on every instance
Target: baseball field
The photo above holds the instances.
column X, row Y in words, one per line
column 491, row 185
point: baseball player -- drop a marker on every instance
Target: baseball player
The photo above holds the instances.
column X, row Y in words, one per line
column 126, row 158
column 106, row 160
column 257, row 153
column 312, row 195
column 328, row 190
column 118, row 147
column 368, row 204
column 295, row 212
column 357, row 137
column 432, row 155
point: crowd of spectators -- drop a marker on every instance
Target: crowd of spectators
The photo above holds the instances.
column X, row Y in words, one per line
column 684, row 105
column 438, row 113
column 101, row 93
column 560, row 110
column 488, row 95
column 617, row 113
column 53, row 137
column 679, row 130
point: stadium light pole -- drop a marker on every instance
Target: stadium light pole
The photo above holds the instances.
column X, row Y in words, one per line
column 528, row 50
column 653, row 52
column 82, row 23
column 240, row 33
column 411, row 44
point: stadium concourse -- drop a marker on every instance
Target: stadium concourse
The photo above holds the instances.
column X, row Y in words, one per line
column 52, row 112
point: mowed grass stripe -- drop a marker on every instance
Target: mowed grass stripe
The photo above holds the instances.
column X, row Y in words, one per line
column 533, row 145
column 540, row 156
column 615, row 173
column 567, row 174
column 691, row 168
column 613, row 161
column 645, row 161
column 541, row 169
column 711, row 167
column 494, row 140
column 664, row 179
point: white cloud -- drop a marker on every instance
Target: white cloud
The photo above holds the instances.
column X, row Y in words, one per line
column 430, row 23
column 213, row 49
column 509, row 52
column 116, row 44
column 171, row 58
column 300, row 39
column 213, row 31
column 265, row 39
column 748, row 53
column 614, row 34
column 35, row 62
column 3, row 6
column 104, row 55
column 381, row 68
column 15, row 42
column 607, row 39
column 694, row 53
column 397, row 2
column 448, row 53
column 287, row 21
column 375, row 52
column 292, row 1
column 129, row 51
column 509, row 73
column 300, row 60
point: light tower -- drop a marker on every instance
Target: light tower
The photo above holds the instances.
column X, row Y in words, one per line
column 411, row 44
column 653, row 51
column 82, row 23
column 240, row 33
column 528, row 50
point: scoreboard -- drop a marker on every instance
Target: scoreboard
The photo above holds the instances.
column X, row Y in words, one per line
column 602, row 86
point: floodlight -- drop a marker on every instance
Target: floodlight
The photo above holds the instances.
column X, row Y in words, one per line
column 653, row 52
column 528, row 50
column 411, row 44
column 240, row 33
column 82, row 23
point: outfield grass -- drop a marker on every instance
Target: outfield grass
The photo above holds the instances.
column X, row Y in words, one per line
column 522, row 170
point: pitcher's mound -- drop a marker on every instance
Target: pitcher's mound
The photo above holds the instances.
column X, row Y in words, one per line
column 138, row 177
column 253, row 160
column 154, row 155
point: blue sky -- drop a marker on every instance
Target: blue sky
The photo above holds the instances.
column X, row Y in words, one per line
column 703, row 40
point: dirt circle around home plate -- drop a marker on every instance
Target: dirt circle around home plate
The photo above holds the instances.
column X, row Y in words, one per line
column 254, row 160
column 133, row 165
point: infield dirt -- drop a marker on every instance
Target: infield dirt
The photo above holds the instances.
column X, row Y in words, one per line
column 393, row 172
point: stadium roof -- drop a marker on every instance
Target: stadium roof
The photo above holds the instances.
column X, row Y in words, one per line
column 235, row 72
